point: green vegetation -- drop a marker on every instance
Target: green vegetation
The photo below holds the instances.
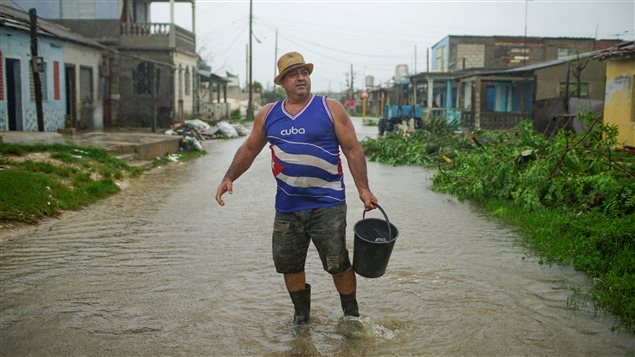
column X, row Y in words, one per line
column 42, row 180
column 371, row 121
column 235, row 116
column 425, row 147
column 572, row 197
column 181, row 156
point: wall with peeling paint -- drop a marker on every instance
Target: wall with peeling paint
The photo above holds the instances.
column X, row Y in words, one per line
column 619, row 101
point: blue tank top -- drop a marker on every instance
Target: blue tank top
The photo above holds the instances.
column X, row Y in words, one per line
column 305, row 157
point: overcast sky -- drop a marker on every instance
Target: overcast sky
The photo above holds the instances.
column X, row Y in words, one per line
column 376, row 36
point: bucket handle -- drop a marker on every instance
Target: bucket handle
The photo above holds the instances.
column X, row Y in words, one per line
column 385, row 217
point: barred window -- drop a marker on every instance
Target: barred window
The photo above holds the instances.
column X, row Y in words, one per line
column 142, row 78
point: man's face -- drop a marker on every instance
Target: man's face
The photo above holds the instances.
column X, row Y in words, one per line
column 297, row 82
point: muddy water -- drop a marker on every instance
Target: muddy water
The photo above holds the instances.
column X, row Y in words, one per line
column 161, row 270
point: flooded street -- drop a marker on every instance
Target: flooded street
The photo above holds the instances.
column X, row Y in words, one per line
column 161, row 269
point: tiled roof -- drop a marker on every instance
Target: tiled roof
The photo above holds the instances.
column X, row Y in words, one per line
column 624, row 49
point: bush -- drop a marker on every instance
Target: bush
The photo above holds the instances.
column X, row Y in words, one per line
column 572, row 197
column 235, row 114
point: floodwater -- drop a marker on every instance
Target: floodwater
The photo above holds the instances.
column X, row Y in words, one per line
column 160, row 269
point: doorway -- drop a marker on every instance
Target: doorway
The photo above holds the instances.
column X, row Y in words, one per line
column 14, row 94
column 71, row 96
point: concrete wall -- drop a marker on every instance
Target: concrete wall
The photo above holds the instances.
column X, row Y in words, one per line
column 619, row 102
column 439, row 56
column 87, row 57
column 73, row 9
column 49, row 9
column 549, row 79
column 137, row 110
column 16, row 45
column 499, row 52
column 185, row 66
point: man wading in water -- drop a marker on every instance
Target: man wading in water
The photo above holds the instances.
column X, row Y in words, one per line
column 305, row 133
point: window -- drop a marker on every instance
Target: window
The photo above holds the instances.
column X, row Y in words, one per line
column 86, row 84
column 180, row 87
column 440, row 57
column 56, row 80
column 142, row 79
column 187, row 80
column 518, row 55
column 158, row 82
column 573, row 89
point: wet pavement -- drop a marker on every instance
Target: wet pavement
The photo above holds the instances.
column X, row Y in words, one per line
column 161, row 269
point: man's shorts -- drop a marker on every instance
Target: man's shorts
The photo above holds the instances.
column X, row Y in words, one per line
column 293, row 232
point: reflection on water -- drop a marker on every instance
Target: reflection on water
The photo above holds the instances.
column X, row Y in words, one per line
column 161, row 270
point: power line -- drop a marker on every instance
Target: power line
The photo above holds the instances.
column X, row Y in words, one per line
column 18, row 5
column 343, row 51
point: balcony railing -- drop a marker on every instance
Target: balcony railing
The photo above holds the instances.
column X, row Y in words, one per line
column 145, row 29
column 155, row 35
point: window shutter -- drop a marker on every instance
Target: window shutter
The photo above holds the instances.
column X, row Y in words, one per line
column 56, row 80
column 86, row 84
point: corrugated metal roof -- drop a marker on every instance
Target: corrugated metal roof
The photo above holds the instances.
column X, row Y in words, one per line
column 550, row 63
column 622, row 50
column 531, row 37
column 209, row 75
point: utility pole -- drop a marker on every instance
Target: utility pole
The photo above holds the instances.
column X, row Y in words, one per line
column 154, row 98
column 275, row 66
column 415, row 72
column 35, row 68
column 525, row 54
column 250, row 105
column 352, row 81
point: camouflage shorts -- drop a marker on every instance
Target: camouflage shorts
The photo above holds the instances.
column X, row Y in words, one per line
column 293, row 232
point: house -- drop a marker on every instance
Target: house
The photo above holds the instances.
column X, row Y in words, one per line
column 211, row 86
column 459, row 53
column 152, row 77
column 475, row 79
column 619, row 99
column 501, row 99
column 69, row 75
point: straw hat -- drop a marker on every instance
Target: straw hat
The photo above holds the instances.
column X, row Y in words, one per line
column 289, row 61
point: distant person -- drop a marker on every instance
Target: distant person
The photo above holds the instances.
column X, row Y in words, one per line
column 305, row 133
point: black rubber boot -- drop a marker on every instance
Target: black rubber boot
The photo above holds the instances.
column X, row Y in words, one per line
column 349, row 304
column 302, row 305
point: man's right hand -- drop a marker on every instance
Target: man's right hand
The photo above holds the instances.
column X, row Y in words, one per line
column 225, row 186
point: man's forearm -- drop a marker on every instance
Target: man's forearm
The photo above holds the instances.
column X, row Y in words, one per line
column 242, row 161
column 357, row 166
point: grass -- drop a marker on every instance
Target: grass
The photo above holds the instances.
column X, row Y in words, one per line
column 41, row 181
column 598, row 244
column 571, row 198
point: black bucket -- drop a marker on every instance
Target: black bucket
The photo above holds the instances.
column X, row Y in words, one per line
column 374, row 240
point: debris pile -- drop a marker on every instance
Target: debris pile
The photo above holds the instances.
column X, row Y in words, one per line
column 194, row 131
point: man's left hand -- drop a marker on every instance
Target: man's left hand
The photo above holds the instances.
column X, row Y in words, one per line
column 370, row 201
